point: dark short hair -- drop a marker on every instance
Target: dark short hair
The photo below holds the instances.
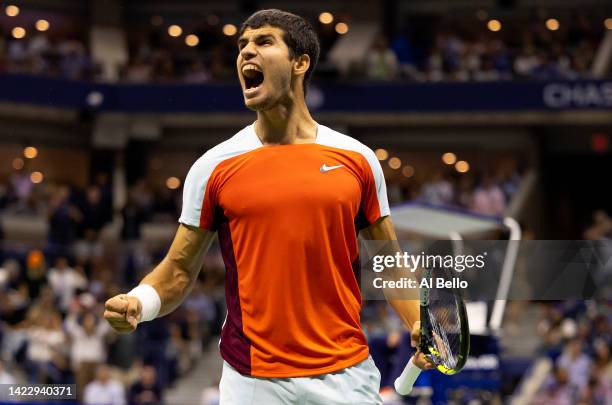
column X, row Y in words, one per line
column 299, row 35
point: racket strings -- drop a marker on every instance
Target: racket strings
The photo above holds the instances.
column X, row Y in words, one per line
column 444, row 319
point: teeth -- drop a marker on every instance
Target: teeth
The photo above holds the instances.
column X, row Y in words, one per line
column 246, row 68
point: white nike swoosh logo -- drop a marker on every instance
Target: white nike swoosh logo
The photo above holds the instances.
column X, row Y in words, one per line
column 324, row 168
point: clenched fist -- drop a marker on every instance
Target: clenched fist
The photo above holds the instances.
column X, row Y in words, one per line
column 123, row 312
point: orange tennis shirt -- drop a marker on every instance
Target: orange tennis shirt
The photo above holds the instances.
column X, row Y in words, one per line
column 287, row 218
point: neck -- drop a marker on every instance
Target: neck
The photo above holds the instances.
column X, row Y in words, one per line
column 288, row 122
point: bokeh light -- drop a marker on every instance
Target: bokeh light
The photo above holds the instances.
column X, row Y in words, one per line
column 494, row 25
column 42, row 25
column 18, row 32
column 552, row 24
column 173, row 183
column 326, row 18
column 342, row 28
column 12, row 11
column 192, row 40
column 408, row 171
column 36, row 177
column 30, row 152
column 381, row 154
column 175, row 31
column 462, row 166
column 395, row 163
column 230, row 30
column 449, row 158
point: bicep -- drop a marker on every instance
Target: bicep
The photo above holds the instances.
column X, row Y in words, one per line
column 189, row 247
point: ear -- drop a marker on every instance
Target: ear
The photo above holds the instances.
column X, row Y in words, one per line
column 301, row 64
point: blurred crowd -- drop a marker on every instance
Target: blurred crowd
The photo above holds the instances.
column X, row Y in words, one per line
column 52, row 296
column 485, row 193
column 47, row 54
column 51, row 330
column 577, row 337
column 461, row 52
column 79, row 214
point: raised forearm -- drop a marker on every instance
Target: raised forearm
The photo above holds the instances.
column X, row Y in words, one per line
column 172, row 282
column 173, row 278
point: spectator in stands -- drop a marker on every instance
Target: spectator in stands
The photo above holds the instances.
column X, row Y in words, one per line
column 102, row 182
column 525, row 62
column 465, row 191
column 88, row 345
column 452, row 48
column 94, row 214
column 17, row 56
column 74, row 62
column 500, row 58
column 577, row 364
column 133, row 218
column 602, row 364
column 65, row 282
column 14, row 297
column 487, row 71
column 147, row 391
column 598, row 392
column 556, row 391
column 45, row 339
column 201, row 305
column 381, row 62
column 177, row 353
column 438, row 191
column 404, row 50
column 36, row 272
column 9, row 275
column 197, row 73
column 39, row 49
column 104, row 390
column 547, row 67
column 154, row 338
column 139, row 71
column 143, row 198
column 164, row 69
column 488, row 198
column 63, row 220
column 21, row 189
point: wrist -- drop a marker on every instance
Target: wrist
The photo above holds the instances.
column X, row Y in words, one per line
column 150, row 301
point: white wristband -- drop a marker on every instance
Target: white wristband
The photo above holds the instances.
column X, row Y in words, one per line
column 149, row 300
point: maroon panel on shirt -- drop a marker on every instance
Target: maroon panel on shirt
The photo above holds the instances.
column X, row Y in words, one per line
column 235, row 347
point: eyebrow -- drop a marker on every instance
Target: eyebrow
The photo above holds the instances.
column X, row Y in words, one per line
column 257, row 38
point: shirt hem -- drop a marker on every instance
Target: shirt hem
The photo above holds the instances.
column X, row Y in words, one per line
column 314, row 372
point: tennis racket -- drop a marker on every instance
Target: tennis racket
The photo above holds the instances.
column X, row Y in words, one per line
column 445, row 334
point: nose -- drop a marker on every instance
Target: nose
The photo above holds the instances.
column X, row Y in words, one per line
column 248, row 51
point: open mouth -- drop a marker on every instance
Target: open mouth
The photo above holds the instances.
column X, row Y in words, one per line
column 253, row 77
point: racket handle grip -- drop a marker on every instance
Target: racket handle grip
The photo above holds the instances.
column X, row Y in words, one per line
column 403, row 383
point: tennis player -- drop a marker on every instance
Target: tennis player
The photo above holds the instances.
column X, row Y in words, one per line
column 286, row 197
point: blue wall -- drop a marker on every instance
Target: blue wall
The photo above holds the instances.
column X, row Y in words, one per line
column 368, row 97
